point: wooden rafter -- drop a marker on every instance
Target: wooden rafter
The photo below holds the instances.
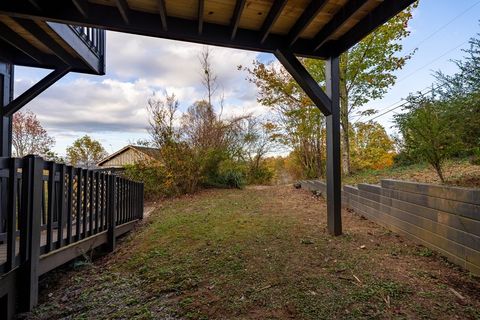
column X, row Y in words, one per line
column 201, row 8
column 337, row 21
column 124, row 10
column 271, row 18
column 20, row 43
column 162, row 10
column 380, row 15
column 82, row 7
column 46, row 39
column 237, row 14
column 305, row 19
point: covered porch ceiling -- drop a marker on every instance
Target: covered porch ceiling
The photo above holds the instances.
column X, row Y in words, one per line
column 310, row 28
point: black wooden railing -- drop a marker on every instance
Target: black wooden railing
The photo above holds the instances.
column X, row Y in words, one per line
column 94, row 38
column 49, row 206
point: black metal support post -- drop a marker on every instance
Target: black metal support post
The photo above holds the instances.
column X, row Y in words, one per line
column 29, row 221
column 334, row 186
column 329, row 105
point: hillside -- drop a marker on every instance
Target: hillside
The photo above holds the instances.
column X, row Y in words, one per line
column 457, row 172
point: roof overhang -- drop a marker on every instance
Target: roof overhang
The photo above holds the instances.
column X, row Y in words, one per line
column 317, row 28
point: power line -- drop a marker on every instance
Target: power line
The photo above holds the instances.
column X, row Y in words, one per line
column 406, row 102
column 432, row 61
column 445, row 25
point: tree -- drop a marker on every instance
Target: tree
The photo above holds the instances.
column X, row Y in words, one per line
column 425, row 131
column 85, row 152
column 366, row 72
column 28, row 135
column 460, row 96
column 162, row 114
column 209, row 78
column 372, row 148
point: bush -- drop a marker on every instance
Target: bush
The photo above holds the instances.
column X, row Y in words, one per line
column 260, row 175
column 231, row 174
column 154, row 178
column 403, row 159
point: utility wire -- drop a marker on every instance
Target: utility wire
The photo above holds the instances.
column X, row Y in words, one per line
column 432, row 61
column 425, row 65
column 422, row 94
column 445, row 25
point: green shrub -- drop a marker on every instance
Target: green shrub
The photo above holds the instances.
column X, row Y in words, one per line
column 231, row 174
column 153, row 177
column 260, row 175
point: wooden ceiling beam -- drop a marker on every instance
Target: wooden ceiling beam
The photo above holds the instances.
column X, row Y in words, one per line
column 312, row 10
column 337, row 21
column 162, row 10
column 237, row 14
column 124, row 10
column 271, row 18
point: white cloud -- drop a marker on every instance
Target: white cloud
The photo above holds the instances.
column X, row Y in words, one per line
column 112, row 108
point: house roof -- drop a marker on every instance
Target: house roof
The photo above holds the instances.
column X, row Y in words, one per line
column 149, row 152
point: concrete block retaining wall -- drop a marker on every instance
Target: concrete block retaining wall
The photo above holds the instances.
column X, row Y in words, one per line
column 444, row 219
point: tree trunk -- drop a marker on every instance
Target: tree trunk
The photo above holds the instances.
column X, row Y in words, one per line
column 344, row 122
column 438, row 169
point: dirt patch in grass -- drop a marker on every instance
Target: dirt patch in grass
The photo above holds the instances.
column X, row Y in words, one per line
column 261, row 254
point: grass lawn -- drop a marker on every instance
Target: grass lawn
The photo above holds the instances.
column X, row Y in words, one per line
column 260, row 253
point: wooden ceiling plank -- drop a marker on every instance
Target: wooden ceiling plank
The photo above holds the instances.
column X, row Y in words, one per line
column 337, row 21
column 312, row 10
column 124, row 10
column 237, row 14
column 271, row 18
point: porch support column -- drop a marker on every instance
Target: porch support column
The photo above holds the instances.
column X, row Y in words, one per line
column 334, row 185
column 6, row 95
column 329, row 105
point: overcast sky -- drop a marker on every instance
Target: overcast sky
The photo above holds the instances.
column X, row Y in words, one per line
column 111, row 108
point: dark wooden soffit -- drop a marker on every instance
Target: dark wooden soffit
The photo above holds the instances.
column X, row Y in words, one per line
column 120, row 16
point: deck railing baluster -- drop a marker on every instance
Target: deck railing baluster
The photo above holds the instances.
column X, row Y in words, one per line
column 90, row 202
column 69, row 213
column 78, row 219
column 61, row 210
column 50, row 198
column 84, row 198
